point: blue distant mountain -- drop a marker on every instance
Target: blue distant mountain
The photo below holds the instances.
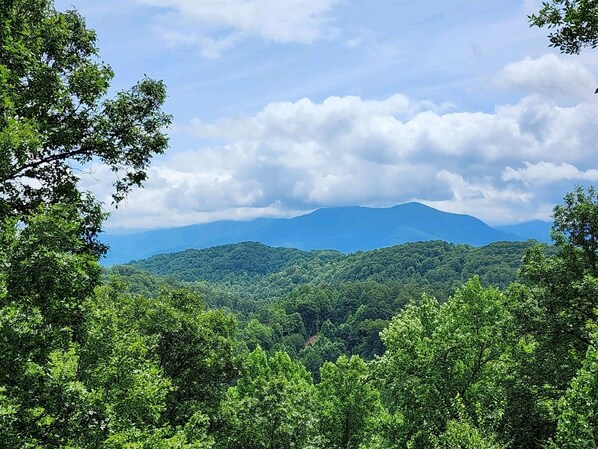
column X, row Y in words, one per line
column 536, row 230
column 346, row 229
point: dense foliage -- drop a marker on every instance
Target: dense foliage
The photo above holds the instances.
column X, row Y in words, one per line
column 254, row 270
column 318, row 305
column 55, row 117
column 306, row 350
column 152, row 366
column 476, row 366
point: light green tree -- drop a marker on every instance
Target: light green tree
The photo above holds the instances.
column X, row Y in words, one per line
column 45, row 276
column 446, row 362
column 272, row 406
column 578, row 418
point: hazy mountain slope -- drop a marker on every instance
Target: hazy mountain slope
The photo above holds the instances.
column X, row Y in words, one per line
column 345, row 229
column 537, row 230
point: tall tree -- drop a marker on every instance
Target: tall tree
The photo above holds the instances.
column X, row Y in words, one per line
column 55, row 116
column 565, row 285
column 45, row 277
column 557, row 305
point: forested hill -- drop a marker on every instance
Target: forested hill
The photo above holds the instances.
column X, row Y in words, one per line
column 346, row 229
column 318, row 305
column 231, row 262
column 264, row 271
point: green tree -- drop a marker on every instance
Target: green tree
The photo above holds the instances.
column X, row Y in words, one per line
column 463, row 435
column 578, row 418
column 348, row 403
column 556, row 303
column 575, row 23
column 446, row 363
column 138, row 400
column 271, row 406
column 80, row 369
column 196, row 348
column 55, row 116
column 564, row 288
column 257, row 334
column 117, row 364
column 322, row 350
column 45, row 276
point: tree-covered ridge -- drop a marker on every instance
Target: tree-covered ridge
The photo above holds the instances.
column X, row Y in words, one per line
column 346, row 229
column 265, row 272
column 235, row 263
column 322, row 304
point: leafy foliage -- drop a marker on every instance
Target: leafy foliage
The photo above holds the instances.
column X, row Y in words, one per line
column 445, row 362
column 348, row 401
column 575, row 22
column 153, row 365
column 578, row 417
column 284, row 303
column 564, row 290
column 265, row 272
column 271, row 406
column 54, row 114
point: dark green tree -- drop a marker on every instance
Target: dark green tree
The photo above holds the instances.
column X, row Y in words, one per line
column 556, row 304
column 564, row 286
column 85, row 368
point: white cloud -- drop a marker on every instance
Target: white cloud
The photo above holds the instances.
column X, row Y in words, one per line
column 507, row 165
column 216, row 25
column 483, row 198
column 551, row 76
column 548, row 172
column 209, row 47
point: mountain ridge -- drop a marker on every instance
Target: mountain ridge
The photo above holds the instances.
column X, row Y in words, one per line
column 346, row 229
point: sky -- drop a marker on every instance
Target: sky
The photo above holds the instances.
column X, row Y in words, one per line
column 282, row 107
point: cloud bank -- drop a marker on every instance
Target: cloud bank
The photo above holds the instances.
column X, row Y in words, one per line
column 509, row 164
column 551, row 76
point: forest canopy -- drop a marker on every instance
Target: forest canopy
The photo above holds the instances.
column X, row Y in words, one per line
column 419, row 346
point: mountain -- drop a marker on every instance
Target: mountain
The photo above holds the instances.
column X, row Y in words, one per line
column 345, row 229
column 537, row 230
